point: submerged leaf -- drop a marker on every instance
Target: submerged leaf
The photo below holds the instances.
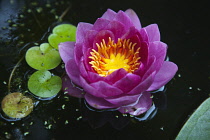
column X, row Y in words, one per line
column 198, row 125
column 16, row 105
column 43, row 84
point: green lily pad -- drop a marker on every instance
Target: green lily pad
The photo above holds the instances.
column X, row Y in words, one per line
column 43, row 84
column 44, row 57
column 16, row 105
column 62, row 33
column 198, row 125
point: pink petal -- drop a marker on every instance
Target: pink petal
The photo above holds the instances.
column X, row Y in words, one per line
column 149, row 68
column 85, row 59
column 144, row 35
column 73, row 71
column 115, row 76
column 103, row 88
column 88, row 88
column 144, row 51
column 158, row 49
column 89, row 39
column 153, row 32
column 117, row 28
column 143, row 85
column 94, row 77
column 157, row 54
column 77, row 52
column 69, row 88
column 164, row 75
column 99, row 89
column 82, row 28
column 104, row 34
column 100, row 24
column 66, row 51
column 141, row 70
column 123, row 100
column 143, row 103
column 128, row 82
column 124, row 19
column 82, row 69
column 132, row 31
column 98, row 103
column 134, row 18
column 109, row 15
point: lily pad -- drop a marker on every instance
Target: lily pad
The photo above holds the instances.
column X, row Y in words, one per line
column 44, row 57
column 62, row 33
column 43, row 84
column 198, row 125
column 16, row 105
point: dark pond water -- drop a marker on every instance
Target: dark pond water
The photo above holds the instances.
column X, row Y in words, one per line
column 184, row 27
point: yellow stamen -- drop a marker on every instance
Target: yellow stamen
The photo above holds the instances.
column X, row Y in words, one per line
column 112, row 56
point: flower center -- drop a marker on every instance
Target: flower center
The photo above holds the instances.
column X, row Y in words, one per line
column 112, row 56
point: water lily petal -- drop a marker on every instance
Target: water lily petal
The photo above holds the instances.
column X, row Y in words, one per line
column 165, row 74
column 82, row 28
column 153, row 32
column 82, row 69
column 132, row 31
column 144, row 35
column 115, row 76
column 73, row 71
column 86, row 60
column 69, row 88
column 98, row 103
column 117, row 28
column 94, row 77
column 157, row 52
column 141, row 70
column 106, row 89
column 158, row 49
column 141, row 106
column 134, row 18
column 124, row 19
column 143, row 86
column 123, row 100
column 103, row 34
column 88, row 88
column 109, row 14
column 77, row 52
column 89, row 39
column 100, row 89
column 100, row 24
column 149, row 68
column 128, row 82
column 66, row 51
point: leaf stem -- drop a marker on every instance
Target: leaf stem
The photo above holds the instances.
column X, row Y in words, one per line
column 64, row 13
column 12, row 73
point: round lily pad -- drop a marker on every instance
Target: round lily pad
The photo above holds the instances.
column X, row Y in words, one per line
column 62, row 33
column 43, row 84
column 44, row 57
column 16, row 105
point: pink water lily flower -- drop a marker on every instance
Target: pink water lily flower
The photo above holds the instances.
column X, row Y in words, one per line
column 116, row 62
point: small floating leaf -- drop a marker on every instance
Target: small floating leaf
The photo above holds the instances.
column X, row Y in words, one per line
column 43, row 84
column 62, row 33
column 44, row 57
column 16, row 105
column 198, row 125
